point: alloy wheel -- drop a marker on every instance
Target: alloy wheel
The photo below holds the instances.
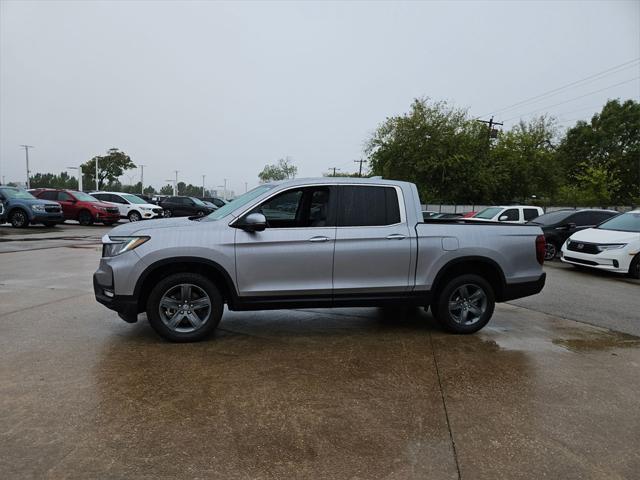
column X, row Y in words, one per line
column 550, row 251
column 185, row 308
column 467, row 304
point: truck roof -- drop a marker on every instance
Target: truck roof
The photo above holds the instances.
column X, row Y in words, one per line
column 313, row 180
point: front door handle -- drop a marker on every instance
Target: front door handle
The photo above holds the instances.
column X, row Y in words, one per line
column 396, row 236
column 319, row 239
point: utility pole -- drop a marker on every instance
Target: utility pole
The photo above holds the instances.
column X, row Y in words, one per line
column 361, row 161
column 142, row 178
column 245, row 187
column 97, row 186
column 334, row 170
column 493, row 133
column 203, row 185
column 26, row 153
column 175, row 184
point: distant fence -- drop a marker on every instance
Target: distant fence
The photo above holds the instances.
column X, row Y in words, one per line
column 446, row 208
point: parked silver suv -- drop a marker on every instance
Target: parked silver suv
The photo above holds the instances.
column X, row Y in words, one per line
column 325, row 242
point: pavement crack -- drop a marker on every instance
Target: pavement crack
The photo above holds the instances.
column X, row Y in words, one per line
column 444, row 404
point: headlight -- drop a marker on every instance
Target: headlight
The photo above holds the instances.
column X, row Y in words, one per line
column 611, row 246
column 112, row 246
column 146, row 209
column 38, row 208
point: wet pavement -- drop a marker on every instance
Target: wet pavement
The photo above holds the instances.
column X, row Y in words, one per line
column 344, row 393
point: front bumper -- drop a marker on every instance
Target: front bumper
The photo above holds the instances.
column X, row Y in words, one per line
column 42, row 217
column 512, row 291
column 611, row 261
column 125, row 305
column 107, row 217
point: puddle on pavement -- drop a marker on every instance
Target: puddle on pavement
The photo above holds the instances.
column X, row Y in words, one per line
column 591, row 341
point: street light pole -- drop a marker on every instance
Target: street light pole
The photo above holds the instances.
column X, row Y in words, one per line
column 97, row 186
column 175, row 184
column 142, row 178
column 79, row 176
column 203, row 185
column 26, row 153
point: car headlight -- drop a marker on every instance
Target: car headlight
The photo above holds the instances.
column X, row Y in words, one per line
column 611, row 246
column 146, row 209
column 112, row 246
column 38, row 208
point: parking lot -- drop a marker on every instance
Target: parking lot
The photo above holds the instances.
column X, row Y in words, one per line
column 548, row 389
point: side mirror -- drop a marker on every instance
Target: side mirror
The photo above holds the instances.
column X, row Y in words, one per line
column 254, row 222
column 503, row 218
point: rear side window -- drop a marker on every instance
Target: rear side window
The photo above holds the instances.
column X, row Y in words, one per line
column 583, row 219
column 366, row 206
column 48, row 195
column 512, row 215
column 530, row 214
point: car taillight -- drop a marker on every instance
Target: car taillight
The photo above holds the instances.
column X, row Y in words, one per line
column 541, row 246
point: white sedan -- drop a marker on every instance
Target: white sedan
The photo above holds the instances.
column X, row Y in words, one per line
column 613, row 245
column 131, row 206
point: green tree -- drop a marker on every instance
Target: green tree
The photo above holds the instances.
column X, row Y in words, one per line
column 51, row 180
column 608, row 147
column 282, row 170
column 110, row 167
column 166, row 190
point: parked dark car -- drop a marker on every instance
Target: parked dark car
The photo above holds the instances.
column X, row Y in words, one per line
column 21, row 208
column 184, row 207
column 218, row 202
column 559, row 225
column 81, row 206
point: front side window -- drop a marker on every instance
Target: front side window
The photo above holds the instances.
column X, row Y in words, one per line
column 367, row 206
column 48, row 195
column 64, row 197
column 297, row 208
column 512, row 215
column 239, row 202
column 582, row 219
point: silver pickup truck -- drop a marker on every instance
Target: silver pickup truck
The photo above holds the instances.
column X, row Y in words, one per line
column 328, row 242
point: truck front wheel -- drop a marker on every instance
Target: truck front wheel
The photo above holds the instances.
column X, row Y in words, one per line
column 465, row 304
column 185, row 307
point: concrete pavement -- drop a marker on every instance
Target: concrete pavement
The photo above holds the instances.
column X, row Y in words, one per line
column 344, row 393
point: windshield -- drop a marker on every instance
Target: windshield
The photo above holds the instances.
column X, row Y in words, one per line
column 627, row 222
column 132, row 198
column 488, row 212
column 552, row 218
column 239, row 202
column 16, row 193
column 84, row 197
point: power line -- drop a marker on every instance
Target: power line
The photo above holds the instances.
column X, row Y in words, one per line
column 334, row 170
column 361, row 161
column 572, row 99
column 603, row 73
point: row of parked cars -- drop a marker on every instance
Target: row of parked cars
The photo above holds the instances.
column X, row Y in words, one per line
column 596, row 238
column 48, row 206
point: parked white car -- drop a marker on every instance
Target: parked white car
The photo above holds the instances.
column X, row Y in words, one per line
column 613, row 245
column 131, row 206
column 508, row 214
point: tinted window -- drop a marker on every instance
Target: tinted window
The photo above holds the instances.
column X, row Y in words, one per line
column 301, row 207
column 582, row 219
column 553, row 218
column 600, row 217
column 48, row 195
column 362, row 206
column 512, row 215
column 530, row 214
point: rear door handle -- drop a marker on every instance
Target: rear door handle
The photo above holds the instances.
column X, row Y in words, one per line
column 319, row 239
column 396, row 236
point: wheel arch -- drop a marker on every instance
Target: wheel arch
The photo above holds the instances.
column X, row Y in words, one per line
column 482, row 266
column 210, row 269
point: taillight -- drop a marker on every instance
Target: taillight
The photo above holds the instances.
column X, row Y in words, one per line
column 541, row 246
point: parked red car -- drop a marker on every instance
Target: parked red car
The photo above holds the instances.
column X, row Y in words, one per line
column 80, row 206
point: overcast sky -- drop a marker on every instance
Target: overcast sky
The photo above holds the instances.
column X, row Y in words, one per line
column 224, row 88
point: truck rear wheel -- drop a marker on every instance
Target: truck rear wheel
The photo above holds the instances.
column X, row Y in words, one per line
column 465, row 304
column 185, row 307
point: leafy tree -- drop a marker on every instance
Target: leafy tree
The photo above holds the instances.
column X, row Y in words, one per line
column 149, row 190
column 166, row 190
column 282, row 170
column 608, row 148
column 51, row 180
column 110, row 166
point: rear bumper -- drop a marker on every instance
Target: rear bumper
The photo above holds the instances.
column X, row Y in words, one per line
column 519, row 290
column 125, row 305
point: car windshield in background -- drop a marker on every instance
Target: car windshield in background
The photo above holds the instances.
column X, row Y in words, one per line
column 197, row 201
column 627, row 222
column 16, row 193
column 84, row 197
column 133, row 198
column 239, row 202
column 552, row 218
column 488, row 212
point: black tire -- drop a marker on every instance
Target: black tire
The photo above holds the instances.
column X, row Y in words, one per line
column 19, row 218
column 109, row 224
column 163, row 290
column 634, row 268
column 551, row 250
column 134, row 216
column 485, row 304
column 49, row 224
column 168, row 213
column 85, row 218
column 199, row 213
